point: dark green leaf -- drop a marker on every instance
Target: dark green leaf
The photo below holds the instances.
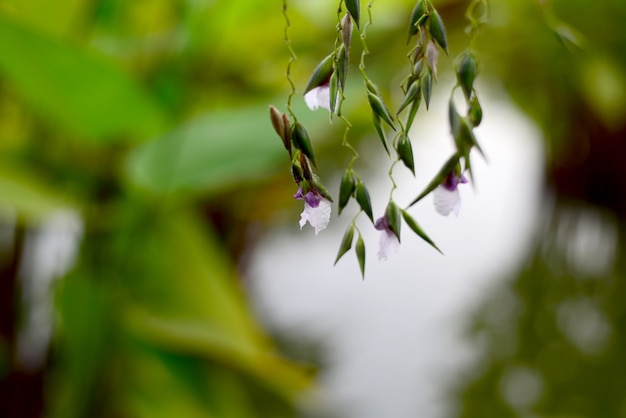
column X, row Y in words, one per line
column 346, row 242
column 439, row 178
column 360, row 254
column 363, row 198
column 411, row 95
column 346, row 189
column 354, row 8
column 427, row 86
column 419, row 11
column 413, row 111
column 392, row 215
column 342, row 67
column 301, row 141
column 380, row 109
column 438, row 30
column 466, row 73
column 381, row 132
column 405, row 152
column 321, row 74
column 418, row 230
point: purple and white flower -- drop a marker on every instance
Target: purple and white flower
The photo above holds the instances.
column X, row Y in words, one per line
column 316, row 210
column 446, row 197
column 319, row 97
column 388, row 241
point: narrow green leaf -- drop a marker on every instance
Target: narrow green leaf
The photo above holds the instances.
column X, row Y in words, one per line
column 418, row 230
column 301, row 141
column 379, row 108
column 419, row 11
column 392, row 215
column 346, row 242
column 381, row 132
column 405, row 152
column 466, row 73
column 439, row 177
column 321, row 74
column 342, row 67
column 354, row 8
column 363, row 198
column 438, row 30
column 455, row 122
column 413, row 111
column 360, row 254
column 427, row 86
column 346, row 189
column 414, row 91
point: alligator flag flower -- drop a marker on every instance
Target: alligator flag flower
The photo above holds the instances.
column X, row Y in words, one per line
column 316, row 210
column 446, row 196
column 389, row 242
column 319, row 97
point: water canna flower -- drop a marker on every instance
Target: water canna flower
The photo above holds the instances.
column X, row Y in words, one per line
column 319, row 97
column 316, row 210
column 389, row 242
column 446, row 196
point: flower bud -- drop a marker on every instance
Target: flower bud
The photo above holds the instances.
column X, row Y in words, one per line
column 466, row 73
column 363, row 198
column 438, row 30
column 354, row 8
column 346, row 189
column 346, row 242
column 392, row 218
column 360, row 254
column 321, row 74
column 405, row 152
column 302, row 142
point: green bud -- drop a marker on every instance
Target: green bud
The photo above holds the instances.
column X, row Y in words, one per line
column 346, row 189
column 438, row 30
column 466, row 73
column 346, row 242
column 418, row 230
column 405, row 152
column 392, row 215
column 412, row 93
column 363, row 198
column 419, row 11
column 371, row 87
column 321, row 74
column 354, row 8
column 381, row 132
column 319, row 186
column 342, row 67
column 475, row 112
column 301, row 141
column 360, row 254
column 380, row 109
column 427, row 87
column 346, row 31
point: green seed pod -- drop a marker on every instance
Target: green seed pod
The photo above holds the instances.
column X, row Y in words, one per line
column 418, row 14
column 418, row 230
column 301, row 141
column 360, row 254
column 475, row 112
column 381, row 132
column 427, row 87
column 346, row 242
column 346, row 189
column 380, row 109
column 412, row 93
column 363, row 198
column 466, row 73
column 392, row 215
column 321, row 74
column 354, row 8
column 438, row 30
column 405, row 152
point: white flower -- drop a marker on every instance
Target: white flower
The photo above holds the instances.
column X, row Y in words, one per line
column 388, row 243
column 446, row 197
column 318, row 97
column 316, row 210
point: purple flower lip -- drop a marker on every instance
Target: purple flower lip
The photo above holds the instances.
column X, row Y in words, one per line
column 452, row 181
column 311, row 198
column 381, row 224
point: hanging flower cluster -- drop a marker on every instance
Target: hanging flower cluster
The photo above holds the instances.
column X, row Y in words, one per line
column 326, row 89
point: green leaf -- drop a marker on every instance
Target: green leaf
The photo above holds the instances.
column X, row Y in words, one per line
column 413, row 93
column 405, row 152
column 380, row 109
column 354, row 8
column 321, row 74
column 346, row 189
column 346, row 242
column 439, row 177
column 76, row 88
column 412, row 112
column 342, row 67
column 427, row 86
column 301, row 140
column 419, row 11
column 438, row 30
column 418, row 230
column 363, row 198
column 392, row 215
column 360, row 254
column 381, row 132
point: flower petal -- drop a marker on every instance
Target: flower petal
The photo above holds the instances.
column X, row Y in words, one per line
column 311, row 99
column 447, row 201
column 318, row 217
column 318, row 97
column 388, row 244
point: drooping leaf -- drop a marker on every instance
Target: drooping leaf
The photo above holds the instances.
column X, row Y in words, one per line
column 405, row 152
column 439, row 177
column 392, row 216
column 466, row 73
column 321, row 74
column 438, row 30
column 354, row 8
column 413, row 93
column 346, row 242
column 360, row 254
column 417, row 15
column 418, row 230
column 346, row 189
column 380, row 109
column 381, row 132
column 363, row 198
